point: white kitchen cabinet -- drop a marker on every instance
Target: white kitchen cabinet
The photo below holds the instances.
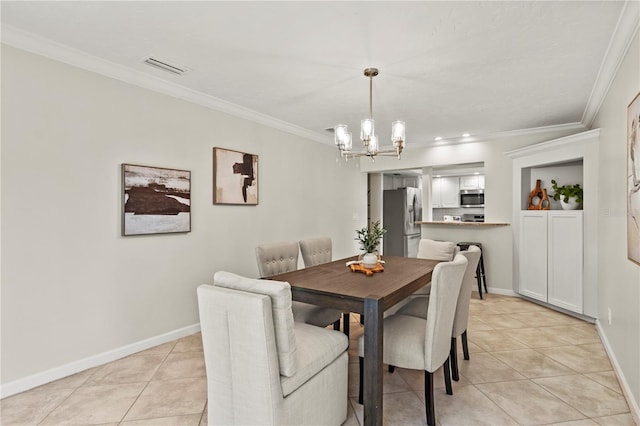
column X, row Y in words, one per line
column 551, row 257
column 472, row 182
column 445, row 192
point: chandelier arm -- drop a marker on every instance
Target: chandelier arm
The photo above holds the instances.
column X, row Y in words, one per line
column 391, row 152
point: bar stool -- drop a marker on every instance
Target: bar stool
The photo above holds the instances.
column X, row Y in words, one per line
column 480, row 269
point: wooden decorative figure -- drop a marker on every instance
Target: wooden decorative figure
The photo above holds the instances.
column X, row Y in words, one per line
column 535, row 197
column 545, row 204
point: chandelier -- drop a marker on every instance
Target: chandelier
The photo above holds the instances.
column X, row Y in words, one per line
column 367, row 134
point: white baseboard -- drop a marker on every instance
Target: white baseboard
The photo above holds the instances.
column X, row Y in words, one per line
column 62, row 371
column 500, row 291
column 631, row 401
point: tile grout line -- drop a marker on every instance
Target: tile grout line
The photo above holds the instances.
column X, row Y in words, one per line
column 147, row 383
column 68, row 396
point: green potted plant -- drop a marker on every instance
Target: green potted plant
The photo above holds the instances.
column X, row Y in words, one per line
column 570, row 196
column 369, row 238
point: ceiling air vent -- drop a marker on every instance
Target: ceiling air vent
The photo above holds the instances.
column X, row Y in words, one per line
column 164, row 65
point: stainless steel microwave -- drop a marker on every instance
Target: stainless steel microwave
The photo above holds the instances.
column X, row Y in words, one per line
column 472, row 198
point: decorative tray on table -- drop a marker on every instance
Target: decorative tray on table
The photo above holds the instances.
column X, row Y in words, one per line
column 357, row 266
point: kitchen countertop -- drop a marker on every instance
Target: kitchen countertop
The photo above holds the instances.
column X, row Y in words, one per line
column 475, row 224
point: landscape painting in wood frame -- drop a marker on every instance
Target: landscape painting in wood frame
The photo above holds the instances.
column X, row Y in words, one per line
column 155, row 200
column 633, row 180
column 235, row 177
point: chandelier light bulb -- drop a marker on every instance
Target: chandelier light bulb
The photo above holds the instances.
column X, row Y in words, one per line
column 366, row 129
column 397, row 133
column 372, row 147
column 339, row 133
column 348, row 143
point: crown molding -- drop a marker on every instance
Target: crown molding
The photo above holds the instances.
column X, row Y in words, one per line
column 625, row 31
column 567, row 127
column 628, row 24
column 556, row 143
column 41, row 46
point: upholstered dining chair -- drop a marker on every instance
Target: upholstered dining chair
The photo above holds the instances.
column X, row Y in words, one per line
column 429, row 249
column 423, row 344
column 435, row 250
column 419, row 306
column 316, row 251
column 262, row 367
column 278, row 258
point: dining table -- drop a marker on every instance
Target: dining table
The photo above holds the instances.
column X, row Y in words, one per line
column 335, row 285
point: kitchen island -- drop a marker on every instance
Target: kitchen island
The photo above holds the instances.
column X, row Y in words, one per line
column 492, row 235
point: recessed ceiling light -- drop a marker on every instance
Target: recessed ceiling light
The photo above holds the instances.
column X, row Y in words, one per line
column 437, row 138
column 466, row 135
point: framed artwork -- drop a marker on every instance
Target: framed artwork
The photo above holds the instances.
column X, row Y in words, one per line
column 235, row 177
column 633, row 180
column 155, row 200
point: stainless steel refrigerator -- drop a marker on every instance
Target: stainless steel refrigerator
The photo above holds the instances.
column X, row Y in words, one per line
column 402, row 208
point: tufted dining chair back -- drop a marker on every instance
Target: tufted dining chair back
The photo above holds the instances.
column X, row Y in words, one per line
column 277, row 258
column 315, row 251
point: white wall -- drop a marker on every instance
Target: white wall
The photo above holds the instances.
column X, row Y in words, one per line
column 72, row 286
column 619, row 277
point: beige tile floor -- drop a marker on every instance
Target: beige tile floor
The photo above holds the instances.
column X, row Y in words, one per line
column 529, row 365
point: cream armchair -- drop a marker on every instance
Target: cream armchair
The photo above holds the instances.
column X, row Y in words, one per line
column 262, row 367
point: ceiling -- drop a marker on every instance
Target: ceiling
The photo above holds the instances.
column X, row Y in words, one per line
column 446, row 68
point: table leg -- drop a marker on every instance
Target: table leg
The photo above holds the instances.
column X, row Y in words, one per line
column 373, row 332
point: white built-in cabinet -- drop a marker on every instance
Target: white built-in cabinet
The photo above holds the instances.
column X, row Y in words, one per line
column 555, row 251
column 551, row 257
column 472, row 182
column 445, row 192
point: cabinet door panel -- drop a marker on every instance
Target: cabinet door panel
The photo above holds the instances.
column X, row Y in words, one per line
column 435, row 192
column 565, row 259
column 469, row 182
column 533, row 255
column 450, row 192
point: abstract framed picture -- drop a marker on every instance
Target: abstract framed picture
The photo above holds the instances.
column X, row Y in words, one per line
column 633, row 180
column 155, row 200
column 235, row 177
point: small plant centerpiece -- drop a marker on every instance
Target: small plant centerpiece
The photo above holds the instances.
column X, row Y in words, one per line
column 570, row 196
column 369, row 239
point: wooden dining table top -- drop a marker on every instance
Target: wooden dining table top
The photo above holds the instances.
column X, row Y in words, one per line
column 401, row 277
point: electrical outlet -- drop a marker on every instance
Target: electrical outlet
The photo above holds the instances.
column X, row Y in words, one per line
column 609, row 315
